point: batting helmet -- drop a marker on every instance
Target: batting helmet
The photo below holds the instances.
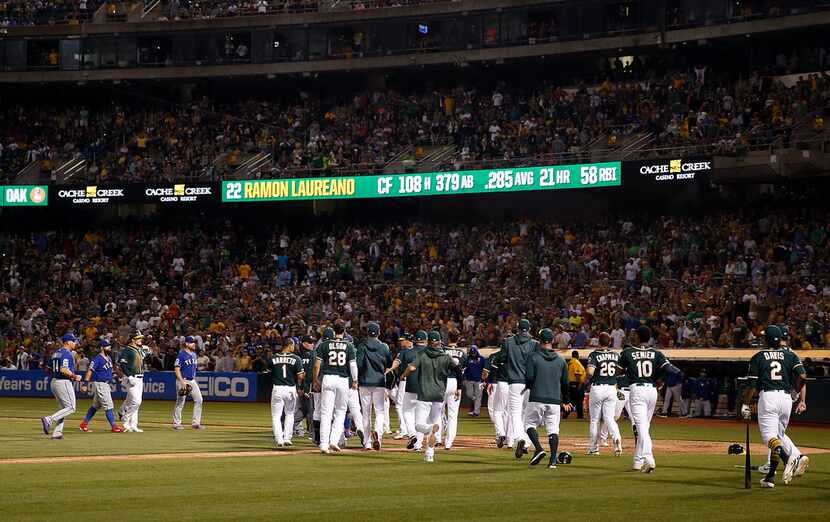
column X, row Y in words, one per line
column 773, row 335
column 735, row 449
column 564, row 457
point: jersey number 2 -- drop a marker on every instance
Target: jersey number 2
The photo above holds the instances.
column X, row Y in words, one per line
column 775, row 371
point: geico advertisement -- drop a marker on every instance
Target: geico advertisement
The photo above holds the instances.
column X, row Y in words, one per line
column 92, row 195
column 178, row 193
column 668, row 170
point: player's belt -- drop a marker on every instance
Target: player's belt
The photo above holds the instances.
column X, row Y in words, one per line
column 774, row 391
column 646, row 384
column 137, row 376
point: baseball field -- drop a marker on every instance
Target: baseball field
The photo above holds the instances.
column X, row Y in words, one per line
column 230, row 471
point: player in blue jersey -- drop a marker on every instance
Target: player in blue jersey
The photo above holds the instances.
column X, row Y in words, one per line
column 62, row 368
column 99, row 377
column 185, row 368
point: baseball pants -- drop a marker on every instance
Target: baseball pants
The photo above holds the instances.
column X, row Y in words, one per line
column 333, row 402
column 64, row 392
column 602, row 407
column 449, row 424
column 497, row 404
column 672, row 395
column 315, row 406
column 774, row 409
column 283, row 402
column 353, row 406
column 196, row 395
column 409, row 403
column 539, row 413
column 306, row 407
column 398, row 394
column 427, row 415
column 618, row 409
column 703, row 408
column 516, row 400
column 372, row 398
column 387, row 419
column 101, row 395
column 474, row 393
column 132, row 402
column 643, row 401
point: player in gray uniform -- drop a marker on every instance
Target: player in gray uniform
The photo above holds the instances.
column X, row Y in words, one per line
column 62, row 367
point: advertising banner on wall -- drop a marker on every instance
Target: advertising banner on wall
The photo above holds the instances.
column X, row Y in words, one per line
column 667, row 171
column 24, row 196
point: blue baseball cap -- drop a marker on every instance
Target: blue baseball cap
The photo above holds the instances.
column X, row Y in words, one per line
column 105, row 343
column 69, row 337
column 189, row 339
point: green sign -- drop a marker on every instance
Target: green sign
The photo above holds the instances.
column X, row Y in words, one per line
column 24, row 196
column 427, row 184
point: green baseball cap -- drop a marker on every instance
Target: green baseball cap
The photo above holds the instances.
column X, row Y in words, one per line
column 524, row 325
column 373, row 328
column 773, row 334
column 435, row 336
column 546, row 335
column 421, row 335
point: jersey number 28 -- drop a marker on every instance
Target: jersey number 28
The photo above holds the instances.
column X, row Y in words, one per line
column 337, row 358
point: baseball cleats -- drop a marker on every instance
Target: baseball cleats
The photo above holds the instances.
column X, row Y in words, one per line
column 767, row 483
column 178, row 427
column 500, row 442
column 764, row 468
column 325, row 451
column 335, row 448
column 473, row 414
column 552, row 463
column 789, row 470
column 429, row 455
column 197, row 427
column 412, row 441
column 537, row 457
column 638, row 466
column 84, row 427
column 362, row 437
column 138, row 430
column 604, row 443
column 288, row 443
column 618, row 447
column 127, row 430
column 59, row 436
column 520, row 448
column 46, row 422
column 649, row 466
column 592, row 452
column 399, row 436
column 375, row 441
column 801, row 465
column 278, row 444
column 117, row 429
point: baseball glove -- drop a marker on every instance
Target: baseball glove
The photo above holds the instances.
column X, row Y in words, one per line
column 620, row 396
column 185, row 390
column 389, row 378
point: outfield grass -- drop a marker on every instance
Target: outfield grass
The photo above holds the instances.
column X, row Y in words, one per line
column 462, row 484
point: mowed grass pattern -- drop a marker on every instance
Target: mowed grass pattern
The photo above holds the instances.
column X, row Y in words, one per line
column 462, row 484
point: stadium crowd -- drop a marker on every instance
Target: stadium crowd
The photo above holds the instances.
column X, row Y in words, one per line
column 702, row 282
column 690, row 110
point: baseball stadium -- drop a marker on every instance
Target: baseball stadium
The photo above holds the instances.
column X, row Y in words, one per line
column 414, row 260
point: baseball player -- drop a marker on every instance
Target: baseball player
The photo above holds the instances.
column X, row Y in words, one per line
column 62, row 368
column 546, row 376
column 185, row 368
column 452, row 396
column 644, row 366
column 287, row 376
column 434, row 366
column 602, row 372
column 498, row 391
column 473, row 385
column 334, row 365
column 404, row 344
column 410, row 397
column 517, row 350
column 373, row 362
column 99, row 376
column 623, row 392
column 776, row 372
column 305, row 395
column 131, row 362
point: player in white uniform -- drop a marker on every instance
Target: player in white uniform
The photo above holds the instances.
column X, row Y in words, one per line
column 776, row 372
column 334, row 365
column 643, row 366
column 602, row 371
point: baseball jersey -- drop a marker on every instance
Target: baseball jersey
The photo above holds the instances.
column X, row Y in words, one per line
column 101, row 368
column 547, row 377
column 604, row 363
column 307, row 358
column 458, row 354
column 518, row 348
column 334, row 356
column 408, row 357
column 435, row 366
column 186, row 363
column 61, row 358
column 642, row 365
column 495, row 364
column 373, row 358
column 775, row 369
column 131, row 360
column 285, row 369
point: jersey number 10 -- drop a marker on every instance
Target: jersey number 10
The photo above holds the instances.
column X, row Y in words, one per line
column 645, row 368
